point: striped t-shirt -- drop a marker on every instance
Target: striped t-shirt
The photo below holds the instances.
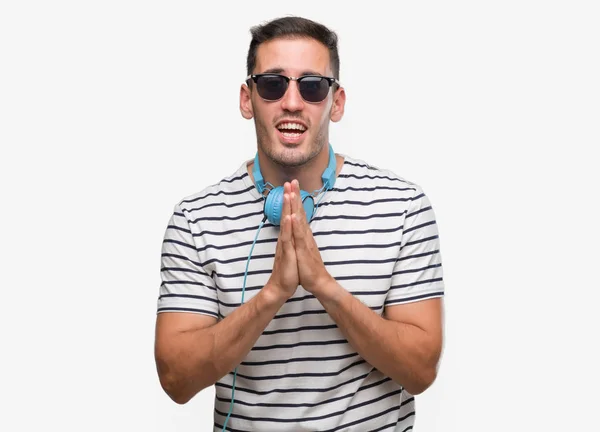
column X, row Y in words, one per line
column 378, row 238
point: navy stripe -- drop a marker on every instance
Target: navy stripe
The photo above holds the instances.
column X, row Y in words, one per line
column 183, row 282
column 298, row 360
column 364, row 203
column 198, row 297
column 373, row 189
column 170, row 255
column 361, row 165
column 242, row 258
column 420, row 240
column 367, row 231
column 222, row 218
column 300, row 375
column 418, row 211
column 180, row 243
column 234, row 275
column 415, row 283
column 347, row 262
column 293, row 390
column 417, row 269
column 419, row 297
column 418, row 255
column 369, row 292
column 297, row 314
column 297, row 344
column 232, row 231
column 371, row 177
column 181, row 309
column 360, row 246
column 178, row 228
column 363, row 277
column 232, row 179
column 299, row 329
column 362, row 420
column 183, row 270
column 355, row 217
column 419, row 226
column 248, row 288
column 230, row 246
column 224, row 204
column 416, row 197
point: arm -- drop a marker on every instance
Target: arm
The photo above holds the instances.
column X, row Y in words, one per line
column 193, row 351
column 405, row 344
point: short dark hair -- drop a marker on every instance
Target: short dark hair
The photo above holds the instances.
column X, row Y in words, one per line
column 294, row 27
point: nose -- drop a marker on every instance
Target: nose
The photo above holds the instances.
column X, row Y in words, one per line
column 292, row 101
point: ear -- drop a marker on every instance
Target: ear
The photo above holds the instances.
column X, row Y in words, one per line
column 337, row 108
column 246, row 102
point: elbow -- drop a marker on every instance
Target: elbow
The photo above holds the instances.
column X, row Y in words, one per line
column 422, row 381
column 174, row 389
column 176, row 386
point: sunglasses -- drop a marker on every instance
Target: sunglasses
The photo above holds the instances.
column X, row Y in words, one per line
column 312, row 88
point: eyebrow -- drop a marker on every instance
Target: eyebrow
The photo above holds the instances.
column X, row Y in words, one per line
column 280, row 70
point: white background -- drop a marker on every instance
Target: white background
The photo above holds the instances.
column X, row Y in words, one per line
column 112, row 111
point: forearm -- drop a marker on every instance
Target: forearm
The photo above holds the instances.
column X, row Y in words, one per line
column 200, row 357
column 402, row 351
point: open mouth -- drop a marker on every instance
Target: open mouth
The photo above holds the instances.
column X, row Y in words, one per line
column 290, row 131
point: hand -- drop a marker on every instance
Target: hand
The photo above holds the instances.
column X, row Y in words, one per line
column 311, row 269
column 284, row 278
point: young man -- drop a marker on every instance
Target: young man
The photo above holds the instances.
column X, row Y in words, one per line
column 307, row 285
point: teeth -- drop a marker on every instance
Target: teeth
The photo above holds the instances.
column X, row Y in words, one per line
column 291, row 126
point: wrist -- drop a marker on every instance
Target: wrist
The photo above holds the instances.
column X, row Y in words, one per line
column 273, row 296
column 327, row 289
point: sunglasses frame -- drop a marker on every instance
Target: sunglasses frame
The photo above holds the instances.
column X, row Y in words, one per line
column 330, row 80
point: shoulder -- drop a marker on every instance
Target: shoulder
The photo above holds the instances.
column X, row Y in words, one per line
column 230, row 187
column 358, row 171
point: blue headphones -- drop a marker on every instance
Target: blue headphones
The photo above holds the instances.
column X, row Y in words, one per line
column 274, row 200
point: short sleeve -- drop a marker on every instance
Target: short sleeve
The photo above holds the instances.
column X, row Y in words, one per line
column 186, row 286
column 417, row 273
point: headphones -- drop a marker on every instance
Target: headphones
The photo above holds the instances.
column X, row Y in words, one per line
column 274, row 199
column 272, row 211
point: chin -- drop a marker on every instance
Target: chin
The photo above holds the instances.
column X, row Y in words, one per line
column 290, row 154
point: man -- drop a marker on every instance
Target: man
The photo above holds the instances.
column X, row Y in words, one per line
column 323, row 317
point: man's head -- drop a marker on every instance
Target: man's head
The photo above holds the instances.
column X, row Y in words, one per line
column 292, row 126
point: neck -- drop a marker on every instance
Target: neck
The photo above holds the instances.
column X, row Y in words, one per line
column 308, row 175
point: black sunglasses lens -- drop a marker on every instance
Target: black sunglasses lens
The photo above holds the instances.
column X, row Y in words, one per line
column 313, row 89
column 271, row 87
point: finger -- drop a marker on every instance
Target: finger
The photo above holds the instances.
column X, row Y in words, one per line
column 286, row 232
column 294, row 198
column 298, row 206
column 298, row 231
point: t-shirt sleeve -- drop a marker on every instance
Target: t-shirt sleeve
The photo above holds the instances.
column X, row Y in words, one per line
column 186, row 286
column 417, row 273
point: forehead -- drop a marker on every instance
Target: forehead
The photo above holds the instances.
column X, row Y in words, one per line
column 293, row 56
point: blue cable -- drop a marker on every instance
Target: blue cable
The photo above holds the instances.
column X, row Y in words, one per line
column 242, row 302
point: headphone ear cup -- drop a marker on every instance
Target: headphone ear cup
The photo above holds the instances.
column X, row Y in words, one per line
column 274, row 205
column 308, row 203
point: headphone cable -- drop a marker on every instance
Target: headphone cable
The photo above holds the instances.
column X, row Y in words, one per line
column 242, row 302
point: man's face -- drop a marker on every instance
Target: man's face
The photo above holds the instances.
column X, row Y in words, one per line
column 292, row 131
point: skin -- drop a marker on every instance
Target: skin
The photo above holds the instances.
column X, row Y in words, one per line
column 194, row 351
column 306, row 160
